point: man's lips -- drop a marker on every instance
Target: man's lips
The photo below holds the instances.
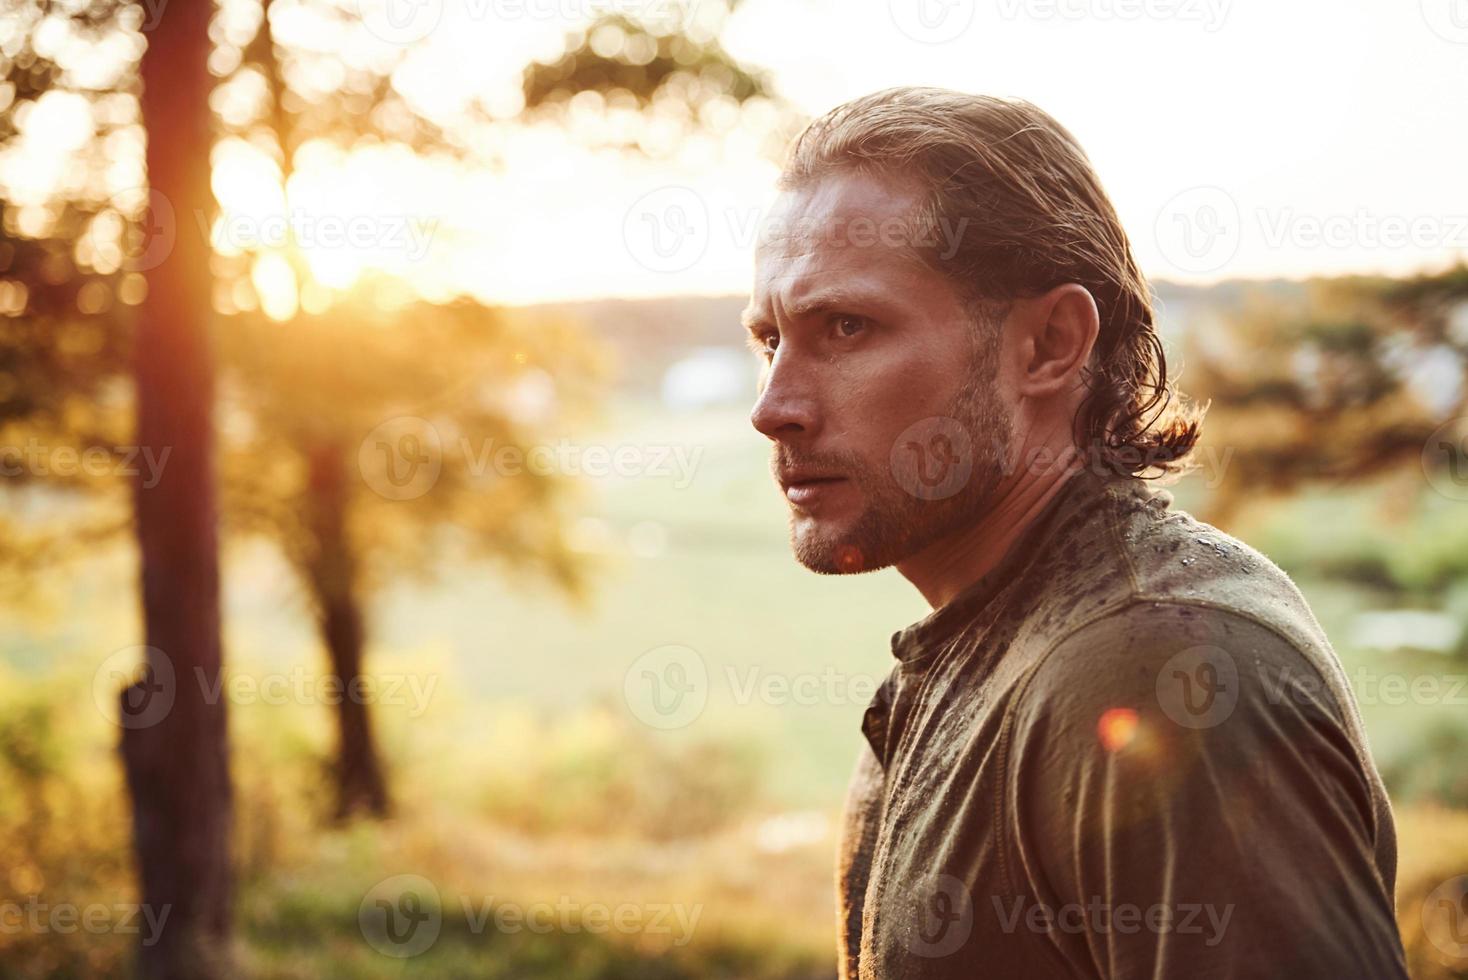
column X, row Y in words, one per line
column 804, row 489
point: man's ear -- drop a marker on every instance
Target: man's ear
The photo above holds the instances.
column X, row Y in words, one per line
column 1057, row 331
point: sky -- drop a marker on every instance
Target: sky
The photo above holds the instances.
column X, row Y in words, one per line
column 1324, row 136
column 1237, row 138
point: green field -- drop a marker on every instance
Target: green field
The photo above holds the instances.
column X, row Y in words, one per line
column 522, row 772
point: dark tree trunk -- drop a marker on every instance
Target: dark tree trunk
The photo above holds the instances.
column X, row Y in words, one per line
column 175, row 754
column 361, row 788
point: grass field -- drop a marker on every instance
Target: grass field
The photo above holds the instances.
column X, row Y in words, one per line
column 526, row 774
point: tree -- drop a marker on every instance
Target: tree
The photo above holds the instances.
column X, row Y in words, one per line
column 302, row 468
column 308, row 473
column 1342, row 386
column 177, row 766
column 364, row 451
column 69, row 352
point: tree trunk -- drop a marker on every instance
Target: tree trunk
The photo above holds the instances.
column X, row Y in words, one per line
column 361, row 788
column 174, row 742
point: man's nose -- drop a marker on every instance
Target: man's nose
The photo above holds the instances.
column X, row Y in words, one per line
column 786, row 407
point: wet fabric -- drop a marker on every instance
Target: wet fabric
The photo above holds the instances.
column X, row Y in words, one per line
column 1128, row 751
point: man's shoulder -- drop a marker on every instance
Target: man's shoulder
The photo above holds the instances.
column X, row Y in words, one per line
column 1177, row 654
column 1209, row 689
column 1170, row 555
column 1167, row 597
column 1138, row 555
column 1130, row 579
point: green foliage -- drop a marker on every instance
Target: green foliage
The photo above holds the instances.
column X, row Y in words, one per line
column 1435, row 851
column 1433, row 771
column 668, row 68
column 302, row 879
column 601, row 774
column 451, row 371
column 1393, row 535
column 1327, row 390
column 63, row 328
column 29, row 748
column 646, row 62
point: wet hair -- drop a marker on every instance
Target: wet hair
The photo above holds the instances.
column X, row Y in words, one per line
column 1029, row 214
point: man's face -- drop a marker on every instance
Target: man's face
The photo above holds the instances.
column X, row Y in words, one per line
column 880, row 392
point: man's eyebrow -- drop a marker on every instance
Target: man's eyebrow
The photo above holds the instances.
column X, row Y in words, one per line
column 752, row 318
column 828, row 301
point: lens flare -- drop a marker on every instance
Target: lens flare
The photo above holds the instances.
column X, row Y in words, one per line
column 1117, row 728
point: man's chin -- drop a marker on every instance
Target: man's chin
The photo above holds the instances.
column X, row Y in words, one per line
column 830, row 552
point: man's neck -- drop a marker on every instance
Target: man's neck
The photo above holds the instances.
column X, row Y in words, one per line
column 947, row 567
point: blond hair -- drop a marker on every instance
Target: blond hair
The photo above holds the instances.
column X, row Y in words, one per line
column 1032, row 215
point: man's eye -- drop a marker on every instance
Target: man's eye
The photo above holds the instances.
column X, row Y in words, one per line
column 766, row 343
column 848, row 325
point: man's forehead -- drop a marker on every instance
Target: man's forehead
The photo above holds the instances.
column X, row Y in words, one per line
column 839, row 231
column 844, row 208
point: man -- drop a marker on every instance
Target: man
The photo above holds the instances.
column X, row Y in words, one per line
column 1120, row 745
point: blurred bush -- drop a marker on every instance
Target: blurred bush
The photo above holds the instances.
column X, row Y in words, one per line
column 1434, row 852
column 600, row 772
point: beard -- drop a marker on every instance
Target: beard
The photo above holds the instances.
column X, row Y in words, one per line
column 938, row 479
